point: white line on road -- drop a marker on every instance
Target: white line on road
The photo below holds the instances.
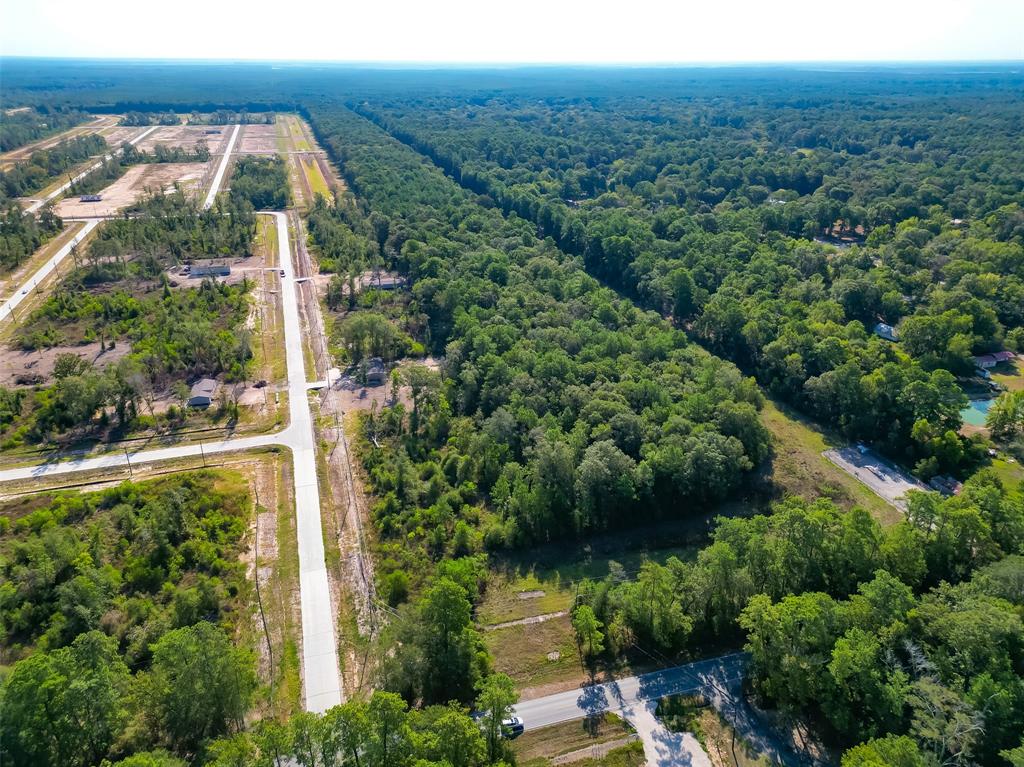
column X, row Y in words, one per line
column 60, row 190
column 219, row 177
column 43, row 272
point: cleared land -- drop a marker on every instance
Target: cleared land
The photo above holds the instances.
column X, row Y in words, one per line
column 187, row 137
column 799, row 467
column 258, row 139
column 118, row 134
column 132, row 185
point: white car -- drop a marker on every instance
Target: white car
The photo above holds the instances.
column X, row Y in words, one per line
column 512, row 727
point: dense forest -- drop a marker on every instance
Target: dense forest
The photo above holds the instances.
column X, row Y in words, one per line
column 20, row 127
column 21, row 235
column 612, row 272
column 565, row 406
column 778, row 236
column 262, row 182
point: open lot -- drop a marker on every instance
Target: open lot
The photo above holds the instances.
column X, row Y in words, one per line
column 882, row 477
column 798, row 465
column 24, row 368
column 118, row 134
column 187, row 137
column 132, row 185
column 257, row 139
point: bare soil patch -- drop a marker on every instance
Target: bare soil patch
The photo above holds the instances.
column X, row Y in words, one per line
column 257, row 139
column 131, row 186
column 35, row 367
column 119, row 134
column 186, row 137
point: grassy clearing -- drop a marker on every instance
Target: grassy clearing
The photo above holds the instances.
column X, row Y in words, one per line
column 1011, row 474
column 284, row 593
column 1009, row 375
column 522, row 652
column 317, row 182
column 686, row 713
column 508, row 592
column 537, row 747
column 269, row 353
column 799, row 468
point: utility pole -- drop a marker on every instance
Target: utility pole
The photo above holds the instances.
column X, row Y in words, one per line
column 202, row 453
column 129, row 460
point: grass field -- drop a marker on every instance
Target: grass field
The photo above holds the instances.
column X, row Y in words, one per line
column 1011, row 474
column 799, row 468
column 1009, row 375
column 317, row 182
column 537, row 748
column 541, row 584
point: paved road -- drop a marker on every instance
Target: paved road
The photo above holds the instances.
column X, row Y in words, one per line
column 886, row 480
column 319, row 644
column 21, row 293
column 219, row 176
column 718, row 680
column 60, row 190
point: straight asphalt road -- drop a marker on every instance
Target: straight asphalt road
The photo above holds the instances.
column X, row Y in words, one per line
column 219, row 176
column 60, row 190
column 43, row 272
column 319, row 644
column 635, row 699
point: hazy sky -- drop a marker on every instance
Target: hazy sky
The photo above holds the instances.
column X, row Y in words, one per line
column 662, row 31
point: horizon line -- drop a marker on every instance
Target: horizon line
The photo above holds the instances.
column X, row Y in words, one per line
column 582, row 64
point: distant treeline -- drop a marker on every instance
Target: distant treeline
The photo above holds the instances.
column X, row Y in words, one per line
column 20, row 128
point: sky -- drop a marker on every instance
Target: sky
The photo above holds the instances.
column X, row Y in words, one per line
column 518, row 31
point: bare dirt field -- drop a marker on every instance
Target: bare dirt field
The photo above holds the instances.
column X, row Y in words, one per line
column 37, row 366
column 131, row 186
column 118, row 134
column 257, row 139
column 186, row 137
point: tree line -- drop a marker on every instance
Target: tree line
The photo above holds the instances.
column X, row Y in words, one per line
column 738, row 268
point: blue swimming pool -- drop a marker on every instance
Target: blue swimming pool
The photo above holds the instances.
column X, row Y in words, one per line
column 976, row 412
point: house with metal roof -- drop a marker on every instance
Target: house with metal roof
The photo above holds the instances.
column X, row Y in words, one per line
column 202, row 392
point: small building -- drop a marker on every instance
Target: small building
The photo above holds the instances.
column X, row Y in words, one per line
column 376, row 373
column 210, row 268
column 91, row 198
column 202, row 392
column 886, row 331
column 986, row 361
column 946, row 485
column 380, row 281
